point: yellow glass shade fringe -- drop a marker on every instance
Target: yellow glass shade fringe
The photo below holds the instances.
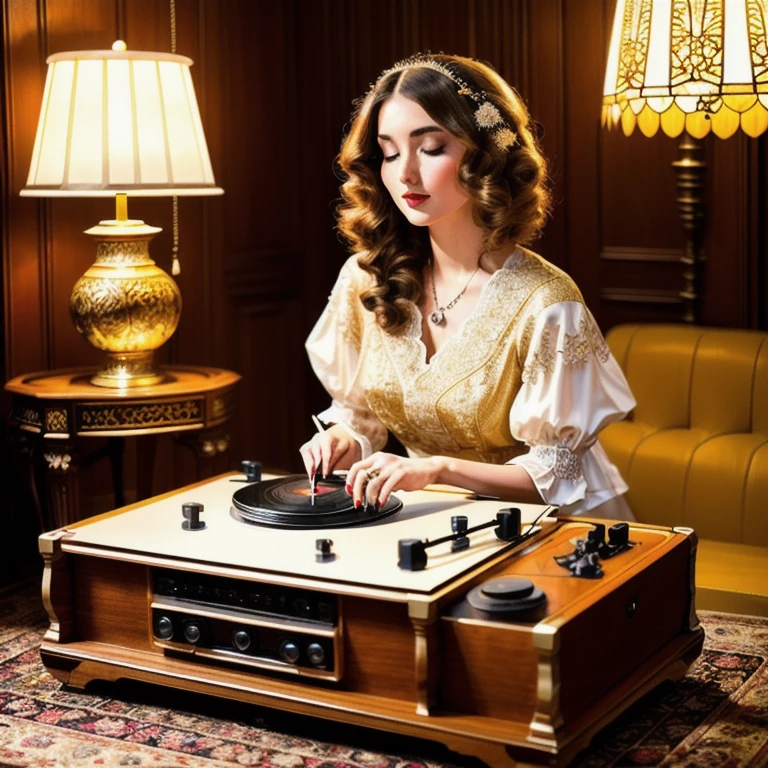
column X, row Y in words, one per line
column 754, row 122
column 628, row 121
column 740, row 103
column 673, row 121
column 648, row 121
column 698, row 124
column 725, row 122
column 693, row 66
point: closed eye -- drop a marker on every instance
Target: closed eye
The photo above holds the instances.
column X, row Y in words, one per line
column 432, row 152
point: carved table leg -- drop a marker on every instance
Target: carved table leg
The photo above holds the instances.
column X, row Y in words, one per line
column 61, row 462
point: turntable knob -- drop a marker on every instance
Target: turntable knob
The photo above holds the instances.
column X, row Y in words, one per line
column 241, row 639
column 164, row 627
column 315, row 654
column 289, row 651
column 618, row 535
column 324, row 549
column 193, row 632
column 251, row 470
column 192, row 511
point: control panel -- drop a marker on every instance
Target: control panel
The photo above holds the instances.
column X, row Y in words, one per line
column 252, row 624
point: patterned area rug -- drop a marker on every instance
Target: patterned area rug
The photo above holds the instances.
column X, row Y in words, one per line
column 717, row 717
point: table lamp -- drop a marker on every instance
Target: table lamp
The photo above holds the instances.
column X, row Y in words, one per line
column 688, row 68
column 113, row 124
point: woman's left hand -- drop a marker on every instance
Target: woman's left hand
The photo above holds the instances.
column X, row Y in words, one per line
column 373, row 479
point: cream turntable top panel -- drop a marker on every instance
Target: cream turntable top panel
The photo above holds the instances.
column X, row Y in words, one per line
column 364, row 555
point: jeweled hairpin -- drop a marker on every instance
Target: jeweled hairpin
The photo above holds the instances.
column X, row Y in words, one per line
column 486, row 113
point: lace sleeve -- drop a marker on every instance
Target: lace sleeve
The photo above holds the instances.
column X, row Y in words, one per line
column 572, row 389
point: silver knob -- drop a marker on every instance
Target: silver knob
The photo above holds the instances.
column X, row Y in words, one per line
column 315, row 654
column 289, row 651
column 164, row 628
column 193, row 633
column 241, row 640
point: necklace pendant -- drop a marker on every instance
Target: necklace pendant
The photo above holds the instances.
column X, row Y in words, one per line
column 438, row 316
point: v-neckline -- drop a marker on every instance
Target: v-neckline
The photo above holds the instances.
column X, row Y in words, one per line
column 417, row 325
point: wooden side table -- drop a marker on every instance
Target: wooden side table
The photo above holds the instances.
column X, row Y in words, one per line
column 52, row 410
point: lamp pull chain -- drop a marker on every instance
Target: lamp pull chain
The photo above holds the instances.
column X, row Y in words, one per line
column 176, row 264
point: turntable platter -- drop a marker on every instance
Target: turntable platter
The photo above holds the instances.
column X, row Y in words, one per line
column 286, row 503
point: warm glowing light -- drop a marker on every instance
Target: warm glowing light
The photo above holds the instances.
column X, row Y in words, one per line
column 688, row 66
column 119, row 121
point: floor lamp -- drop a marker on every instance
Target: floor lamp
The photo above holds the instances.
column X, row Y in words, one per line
column 688, row 68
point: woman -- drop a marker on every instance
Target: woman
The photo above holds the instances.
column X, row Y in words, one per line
column 476, row 353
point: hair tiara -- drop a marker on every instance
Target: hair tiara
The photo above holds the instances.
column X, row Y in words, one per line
column 486, row 114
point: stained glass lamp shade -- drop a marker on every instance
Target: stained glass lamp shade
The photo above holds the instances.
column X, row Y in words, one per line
column 688, row 68
column 695, row 66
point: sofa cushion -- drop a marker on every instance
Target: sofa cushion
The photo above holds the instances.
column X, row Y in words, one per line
column 694, row 452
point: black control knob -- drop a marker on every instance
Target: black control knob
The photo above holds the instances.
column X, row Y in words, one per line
column 459, row 523
column 509, row 521
column 597, row 534
column 164, row 627
column 193, row 632
column 289, row 651
column 618, row 535
column 251, row 470
column 241, row 639
column 192, row 511
column 411, row 555
column 315, row 654
column 324, row 552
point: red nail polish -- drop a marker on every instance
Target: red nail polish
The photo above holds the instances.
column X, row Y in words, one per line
column 348, row 489
column 358, row 504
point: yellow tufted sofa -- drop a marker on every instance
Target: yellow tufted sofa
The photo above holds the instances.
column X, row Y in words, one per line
column 695, row 449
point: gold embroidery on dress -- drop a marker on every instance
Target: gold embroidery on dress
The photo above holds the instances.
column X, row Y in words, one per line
column 543, row 359
column 585, row 343
column 458, row 404
column 578, row 349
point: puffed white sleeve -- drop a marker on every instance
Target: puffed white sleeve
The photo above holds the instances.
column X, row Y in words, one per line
column 572, row 388
column 335, row 348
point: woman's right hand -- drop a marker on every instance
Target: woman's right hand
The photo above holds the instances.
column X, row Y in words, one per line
column 333, row 449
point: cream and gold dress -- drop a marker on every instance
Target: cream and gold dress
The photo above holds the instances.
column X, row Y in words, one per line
column 526, row 379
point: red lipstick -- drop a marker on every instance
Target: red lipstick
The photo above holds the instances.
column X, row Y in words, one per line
column 413, row 199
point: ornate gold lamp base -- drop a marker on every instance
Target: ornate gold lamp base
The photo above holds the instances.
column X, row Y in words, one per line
column 128, row 369
column 124, row 304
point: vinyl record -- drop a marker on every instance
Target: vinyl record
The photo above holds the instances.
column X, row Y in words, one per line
column 286, row 503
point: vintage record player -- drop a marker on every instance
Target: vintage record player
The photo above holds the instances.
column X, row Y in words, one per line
column 502, row 633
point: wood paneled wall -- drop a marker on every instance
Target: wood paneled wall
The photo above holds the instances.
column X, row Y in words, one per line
column 275, row 80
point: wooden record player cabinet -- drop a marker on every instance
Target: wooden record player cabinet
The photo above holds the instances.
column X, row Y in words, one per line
column 400, row 651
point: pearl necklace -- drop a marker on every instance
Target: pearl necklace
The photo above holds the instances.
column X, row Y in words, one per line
column 438, row 316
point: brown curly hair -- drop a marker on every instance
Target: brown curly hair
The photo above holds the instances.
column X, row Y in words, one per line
column 509, row 187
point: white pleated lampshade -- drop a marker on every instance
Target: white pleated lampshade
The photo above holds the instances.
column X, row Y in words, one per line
column 119, row 121
column 689, row 66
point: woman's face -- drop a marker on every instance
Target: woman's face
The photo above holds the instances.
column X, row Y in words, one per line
column 420, row 165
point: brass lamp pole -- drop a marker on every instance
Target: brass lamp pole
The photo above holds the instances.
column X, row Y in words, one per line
column 691, row 172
